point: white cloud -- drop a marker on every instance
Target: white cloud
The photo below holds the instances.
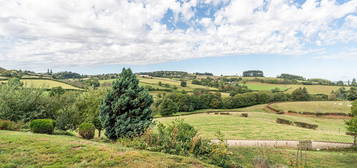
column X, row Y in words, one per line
column 85, row 32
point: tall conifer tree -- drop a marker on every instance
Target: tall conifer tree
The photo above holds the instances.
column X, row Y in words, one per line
column 125, row 111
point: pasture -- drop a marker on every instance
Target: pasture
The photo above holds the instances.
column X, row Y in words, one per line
column 43, row 83
column 38, row 150
column 312, row 89
column 315, row 106
column 263, row 126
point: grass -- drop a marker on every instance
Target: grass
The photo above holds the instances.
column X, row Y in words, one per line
column 316, row 159
column 313, row 89
column 21, row 149
column 154, row 83
column 43, row 83
column 315, row 106
column 263, row 126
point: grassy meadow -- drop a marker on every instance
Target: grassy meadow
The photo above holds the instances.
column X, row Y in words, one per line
column 312, row 89
column 43, row 83
column 316, row 159
column 263, row 126
column 315, row 106
column 24, row 149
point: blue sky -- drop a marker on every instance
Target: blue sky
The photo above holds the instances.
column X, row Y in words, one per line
column 313, row 38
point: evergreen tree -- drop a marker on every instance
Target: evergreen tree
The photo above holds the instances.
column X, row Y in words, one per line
column 125, row 111
column 354, row 83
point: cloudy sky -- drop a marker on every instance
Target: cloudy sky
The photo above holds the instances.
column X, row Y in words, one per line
column 314, row 38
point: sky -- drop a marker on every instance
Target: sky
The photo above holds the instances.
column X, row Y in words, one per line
column 313, row 38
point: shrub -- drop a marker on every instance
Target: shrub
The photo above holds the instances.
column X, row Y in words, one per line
column 244, row 115
column 62, row 132
column 86, row 130
column 182, row 139
column 284, row 121
column 45, row 126
column 8, row 125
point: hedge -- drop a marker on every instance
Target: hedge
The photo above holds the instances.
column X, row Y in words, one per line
column 305, row 125
column 284, row 121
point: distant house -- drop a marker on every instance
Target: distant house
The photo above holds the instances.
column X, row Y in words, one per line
column 253, row 73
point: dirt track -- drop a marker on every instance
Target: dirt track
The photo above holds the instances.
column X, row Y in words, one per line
column 285, row 143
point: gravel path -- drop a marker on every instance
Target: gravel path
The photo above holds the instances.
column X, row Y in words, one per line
column 283, row 143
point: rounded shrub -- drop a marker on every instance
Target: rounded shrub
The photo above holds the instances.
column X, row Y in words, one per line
column 86, row 130
column 43, row 126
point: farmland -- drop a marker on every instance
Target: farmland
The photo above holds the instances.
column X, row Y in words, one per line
column 315, row 106
column 43, row 83
column 313, row 89
column 260, row 125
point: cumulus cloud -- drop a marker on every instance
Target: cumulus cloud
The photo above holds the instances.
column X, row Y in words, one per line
column 87, row 32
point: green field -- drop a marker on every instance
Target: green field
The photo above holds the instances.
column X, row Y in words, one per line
column 24, row 149
column 260, row 125
column 263, row 86
column 315, row 106
column 313, row 89
column 287, row 157
column 43, row 83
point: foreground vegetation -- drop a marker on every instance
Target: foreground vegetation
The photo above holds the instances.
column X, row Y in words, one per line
column 23, row 149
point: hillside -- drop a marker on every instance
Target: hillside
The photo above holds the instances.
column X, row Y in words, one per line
column 22, row 149
column 2, row 69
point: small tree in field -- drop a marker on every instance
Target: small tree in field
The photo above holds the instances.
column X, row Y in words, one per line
column 125, row 111
column 183, row 84
column 300, row 94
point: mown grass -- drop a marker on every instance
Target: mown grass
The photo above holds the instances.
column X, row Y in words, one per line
column 313, row 89
column 263, row 126
column 20, row 150
column 287, row 157
column 43, row 83
column 315, row 106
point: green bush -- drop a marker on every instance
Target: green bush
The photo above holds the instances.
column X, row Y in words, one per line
column 8, row 125
column 86, row 130
column 182, row 139
column 45, row 126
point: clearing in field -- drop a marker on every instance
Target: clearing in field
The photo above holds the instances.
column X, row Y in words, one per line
column 263, row 126
column 315, row 106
